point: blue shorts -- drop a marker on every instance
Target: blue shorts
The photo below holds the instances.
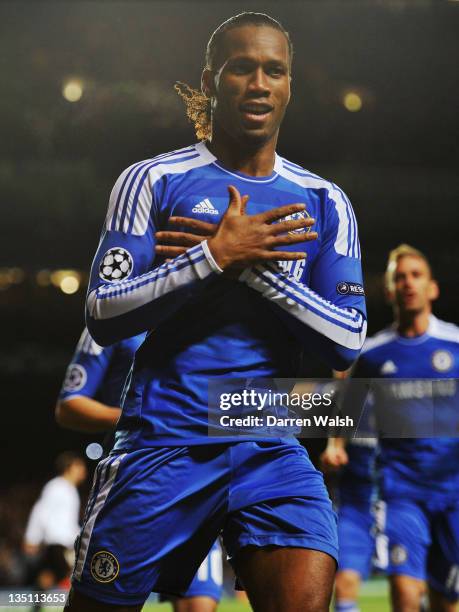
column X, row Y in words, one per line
column 356, row 537
column 423, row 541
column 208, row 580
column 153, row 514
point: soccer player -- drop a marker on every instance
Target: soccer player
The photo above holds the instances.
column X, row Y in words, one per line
column 91, row 393
column 356, row 520
column 89, row 401
column 224, row 309
column 419, row 477
column 355, row 496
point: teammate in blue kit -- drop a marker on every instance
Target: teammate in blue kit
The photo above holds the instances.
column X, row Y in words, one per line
column 355, row 497
column 91, row 393
column 89, row 401
column 356, row 518
column 419, row 478
column 225, row 308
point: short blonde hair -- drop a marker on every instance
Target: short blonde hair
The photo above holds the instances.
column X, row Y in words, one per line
column 403, row 250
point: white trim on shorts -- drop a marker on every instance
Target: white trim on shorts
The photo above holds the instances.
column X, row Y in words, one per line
column 111, row 467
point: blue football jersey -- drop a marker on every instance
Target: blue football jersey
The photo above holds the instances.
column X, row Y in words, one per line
column 417, row 467
column 357, row 478
column 99, row 372
column 203, row 325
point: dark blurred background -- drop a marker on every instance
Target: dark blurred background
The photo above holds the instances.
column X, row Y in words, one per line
column 88, row 89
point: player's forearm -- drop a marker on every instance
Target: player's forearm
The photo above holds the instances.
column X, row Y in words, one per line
column 336, row 443
column 336, row 333
column 124, row 309
column 86, row 414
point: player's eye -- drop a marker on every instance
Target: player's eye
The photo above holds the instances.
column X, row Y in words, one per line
column 240, row 67
column 276, row 71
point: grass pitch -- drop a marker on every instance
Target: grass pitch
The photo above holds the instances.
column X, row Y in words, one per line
column 367, row 604
column 374, row 598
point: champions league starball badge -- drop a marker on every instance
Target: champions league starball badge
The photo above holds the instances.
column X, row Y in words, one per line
column 116, row 265
column 75, row 377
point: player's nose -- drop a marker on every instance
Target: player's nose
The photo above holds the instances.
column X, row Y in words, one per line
column 258, row 83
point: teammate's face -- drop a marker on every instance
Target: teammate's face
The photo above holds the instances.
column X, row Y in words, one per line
column 413, row 288
column 250, row 86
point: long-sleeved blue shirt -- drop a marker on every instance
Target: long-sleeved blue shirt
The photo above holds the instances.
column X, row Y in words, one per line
column 201, row 324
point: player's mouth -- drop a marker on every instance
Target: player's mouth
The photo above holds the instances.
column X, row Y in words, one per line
column 256, row 112
column 409, row 297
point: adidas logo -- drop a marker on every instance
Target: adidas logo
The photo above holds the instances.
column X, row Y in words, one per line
column 205, row 207
column 388, row 367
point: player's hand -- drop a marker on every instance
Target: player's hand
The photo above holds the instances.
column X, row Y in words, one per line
column 175, row 243
column 333, row 458
column 242, row 240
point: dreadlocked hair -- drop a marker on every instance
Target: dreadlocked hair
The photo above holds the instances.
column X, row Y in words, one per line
column 198, row 107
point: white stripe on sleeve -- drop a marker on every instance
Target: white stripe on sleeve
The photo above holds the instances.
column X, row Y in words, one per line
column 109, row 301
column 345, row 327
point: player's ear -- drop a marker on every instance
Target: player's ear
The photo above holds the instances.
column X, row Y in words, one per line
column 434, row 290
column 290, row 87
column 208, row 83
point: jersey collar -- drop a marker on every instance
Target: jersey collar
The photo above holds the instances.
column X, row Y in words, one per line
column 202, row 149
column 432, row 327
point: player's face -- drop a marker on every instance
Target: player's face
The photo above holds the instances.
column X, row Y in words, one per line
column 413, row 287
column 250, row 88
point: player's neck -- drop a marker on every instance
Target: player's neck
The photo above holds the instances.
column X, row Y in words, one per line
column 256, row 160
column 415, row 324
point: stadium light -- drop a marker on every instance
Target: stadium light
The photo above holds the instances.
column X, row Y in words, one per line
column 68, row 281
column 11, row 276
column 43, row 278
column 352, row 101
column 4, row 280
column 16, row 276
column 73, row 90
column 69, row 285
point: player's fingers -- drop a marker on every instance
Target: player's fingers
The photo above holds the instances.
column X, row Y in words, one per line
column 290, row 226
column 235, row 201
column 283, row 256
column 200, row 227
column 169, row 251
column 292, row 239
column 244, row 201
column 281, row 211
column 178, row 238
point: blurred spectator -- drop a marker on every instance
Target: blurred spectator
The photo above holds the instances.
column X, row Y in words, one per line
column 54, row 524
